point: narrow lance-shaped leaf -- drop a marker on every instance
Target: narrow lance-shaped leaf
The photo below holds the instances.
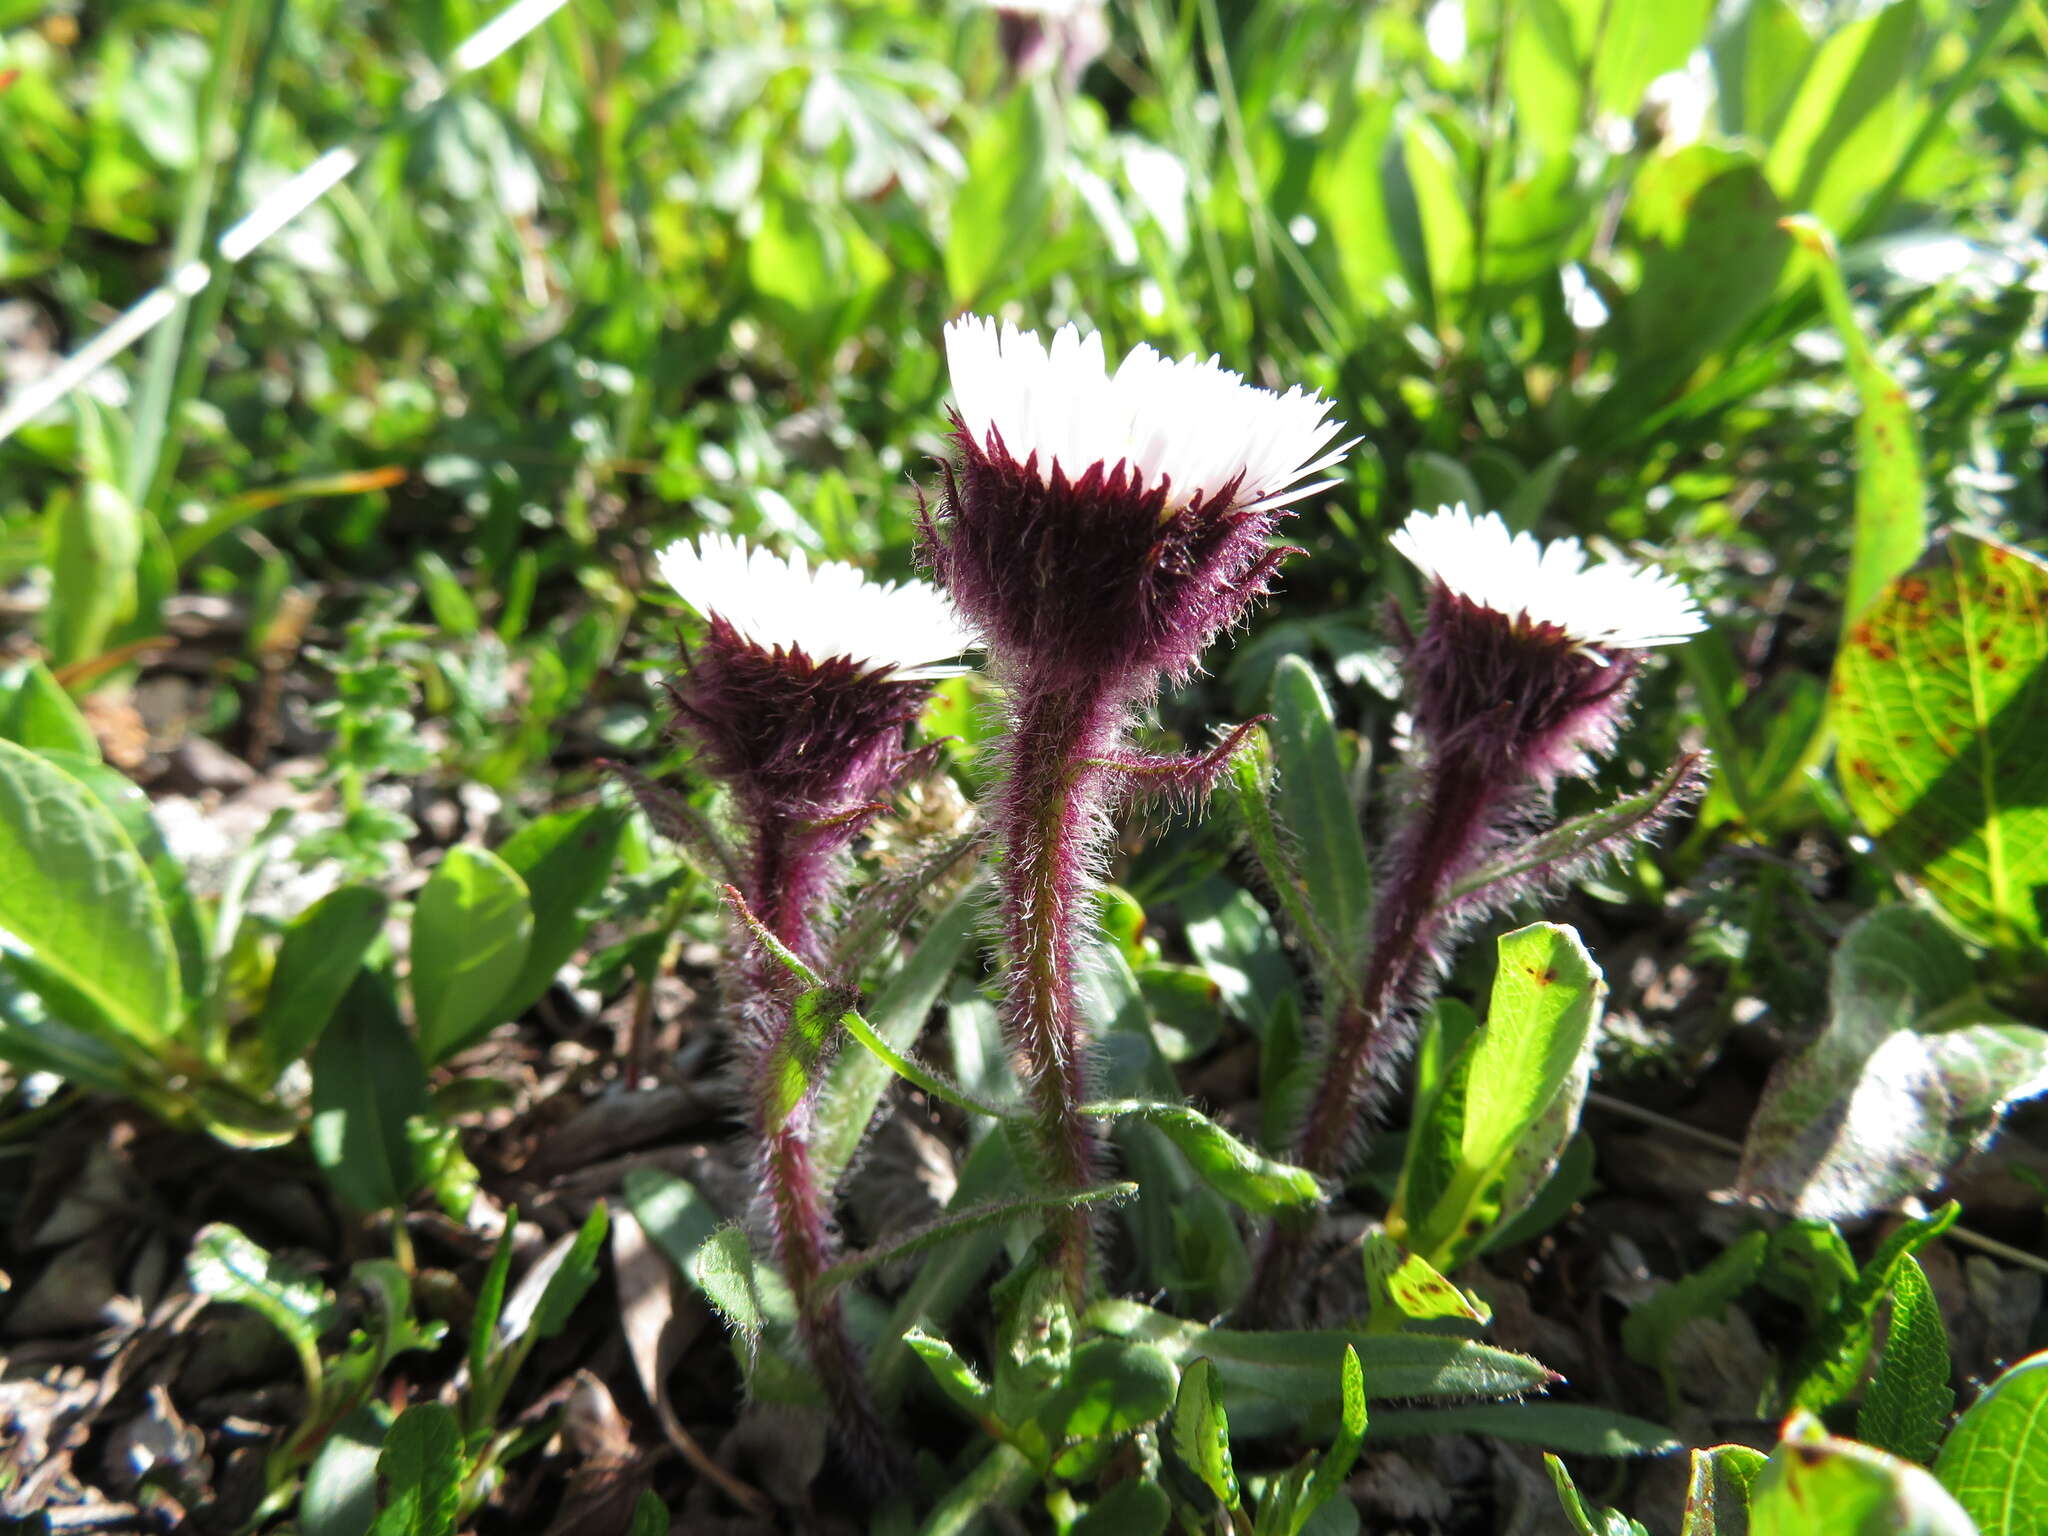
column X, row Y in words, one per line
column 1239, row 1172
column 1314, row 801
column 1906, row 1408
column 1201, row 1431
column 954, row 1224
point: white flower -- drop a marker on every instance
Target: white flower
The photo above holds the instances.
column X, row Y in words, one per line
column 1615, row 605
column 830, row 610
column 1192, row 425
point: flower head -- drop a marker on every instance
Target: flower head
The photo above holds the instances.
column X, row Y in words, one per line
column 1528, row 655
column 831, row 610
column 806, row 678
column 1099, row 520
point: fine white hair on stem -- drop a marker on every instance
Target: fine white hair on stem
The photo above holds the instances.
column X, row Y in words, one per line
column 1612, row 606
column 828, row 610
column 1194, row 426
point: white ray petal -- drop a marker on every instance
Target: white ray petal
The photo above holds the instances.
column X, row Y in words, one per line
column 1192, row 424
column 1616, row 606
column 829, row 610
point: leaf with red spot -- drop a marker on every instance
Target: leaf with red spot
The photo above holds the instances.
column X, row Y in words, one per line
column 1941, row 717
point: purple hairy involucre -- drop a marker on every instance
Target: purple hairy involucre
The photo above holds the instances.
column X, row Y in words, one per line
column 1078, row 580
column 809, row 750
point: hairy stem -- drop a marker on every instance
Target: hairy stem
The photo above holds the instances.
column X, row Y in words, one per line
column 1051, row 819
column 791, row 883
column 1370, row 1032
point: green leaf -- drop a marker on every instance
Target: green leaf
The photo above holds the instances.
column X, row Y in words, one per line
column 1577, row 1428
column 1890, row 527
column 753, row 1299
column 1401, row 1288
column 1832, row 1361
column 422, row 1470
column 1201, row 1431
column 1839, row 134
column 340, row 1495
column 1995, row 1460
column 323, row 949
column 75, row 893
column 1584, row 1519
column 367, row 1082
column 490, row 1305
column 1817, row 1485
column 1717, row 1490
column 1908, row 1403
column 897, row 1015
column 1314, row 803
column 1711, row 250
column 1001, row 203
column 1134, row 1507
column 224, row 1265
column 571, row 1280
column 95, row 547
column 1111, row 1387
column 1942, row 695
column 1280, row 1381
column 953, row 1225
column 1874, row 1110
column 1326, row 1481
column 650, row 1517
column 1649, row 1330
column 38, row 714
column 1239, row 1172
column 955, row 1377
column 676, row 1218
column 1511, row 1101
column 564, row 859
column 471, row 931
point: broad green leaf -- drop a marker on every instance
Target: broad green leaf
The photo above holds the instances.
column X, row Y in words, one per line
column 340, row 1495
column 1588, row 1519
column 1136, row 1506
column 1995, row 1460
column 1717, row 1490
column 1201, row 1431
column 471, row 930
column 1890, row 526
column 367, row 1082
column 1002, row 201
column 1111, row 1387
column 1510, row 1102
column 75, row 893
column 422, row 1470
column 1401, row 1288
column 897, row 1015
column 1239, row 1172
column 1314, row 802
column 1941, row 708
column 565, row 859
column 1841, row 132
column 1280, row 1381
column 38, row 714
column 224, row 1265
column 95, row 545
column 1711, row 252
column 1873, row 1110
column 323, row 949
column 1817, row 1485
column 1907, row 1405
column 1577, row 1428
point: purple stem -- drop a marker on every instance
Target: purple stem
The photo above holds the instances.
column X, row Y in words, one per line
column 1052, row 819
column 1372, row 1028
column 791, row 882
